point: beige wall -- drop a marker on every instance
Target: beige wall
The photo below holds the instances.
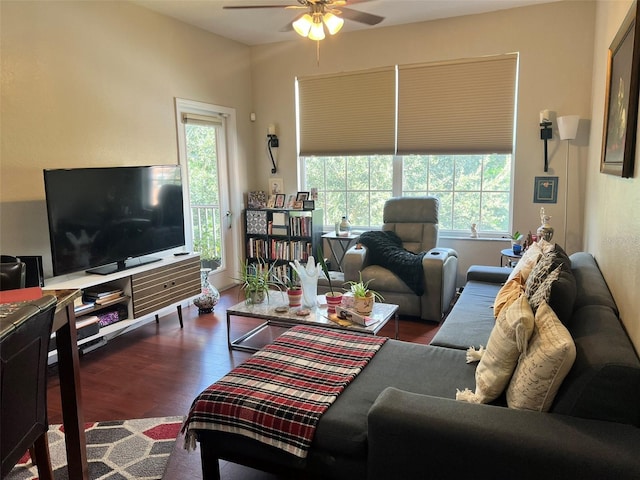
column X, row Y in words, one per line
column 93, row 84
column 555, row 43
column 611, row 222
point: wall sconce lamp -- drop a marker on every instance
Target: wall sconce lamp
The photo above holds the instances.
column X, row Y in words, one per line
column 272, row 142
column 545, row 135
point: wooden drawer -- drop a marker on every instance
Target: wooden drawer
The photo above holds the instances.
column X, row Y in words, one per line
column 161, row 287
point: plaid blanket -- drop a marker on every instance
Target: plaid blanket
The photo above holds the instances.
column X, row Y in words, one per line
column 278, row 396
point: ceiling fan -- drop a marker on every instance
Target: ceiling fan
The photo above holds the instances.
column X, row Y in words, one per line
column 320, row 15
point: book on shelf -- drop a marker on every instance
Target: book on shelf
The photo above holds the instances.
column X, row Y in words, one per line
column 101, row 291
column 279, row 219
column 108, row 298
column 80, row 305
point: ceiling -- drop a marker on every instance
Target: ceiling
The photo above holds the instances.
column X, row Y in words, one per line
column 264, row 25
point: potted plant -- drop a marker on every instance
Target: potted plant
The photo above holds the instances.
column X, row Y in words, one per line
column 257, row 279
column 363, row 296
column 516, row 242
column 294, row 290
column 333, row 298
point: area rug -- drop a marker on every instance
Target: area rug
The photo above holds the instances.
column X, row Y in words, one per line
column 127, row 449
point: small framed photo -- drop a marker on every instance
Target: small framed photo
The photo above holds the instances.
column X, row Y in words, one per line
column 276, row 185
column 298, row 204
column 271, row 203
column 314, row 193
column 302, row 196
column 308, row 204
column 257, row 199
column 280, row 200
column 545, row 190
column 291, row 200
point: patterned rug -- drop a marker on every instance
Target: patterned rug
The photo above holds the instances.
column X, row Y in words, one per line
column 128, row 449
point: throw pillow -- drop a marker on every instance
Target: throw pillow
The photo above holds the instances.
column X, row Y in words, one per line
column 508, row 293
column 541, row 370
column 527, row 262
column 508, row 339
column 539, row 291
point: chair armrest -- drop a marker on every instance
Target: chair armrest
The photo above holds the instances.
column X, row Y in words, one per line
column 440, row 266
column 489, row 274
column 356, row 258
column 410, row 435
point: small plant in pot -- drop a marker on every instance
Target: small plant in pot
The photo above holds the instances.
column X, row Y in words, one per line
column 294, row 290
column 333, row 297
column 257, row 279
column 516, row 242
column 363, row 296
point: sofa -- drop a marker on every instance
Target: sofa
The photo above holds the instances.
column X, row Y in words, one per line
column 399, row 418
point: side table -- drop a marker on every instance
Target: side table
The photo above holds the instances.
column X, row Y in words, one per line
column 342, row 242
column 508, row 258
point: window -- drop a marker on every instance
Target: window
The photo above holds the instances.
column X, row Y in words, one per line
column 471, row 188
column 452, row 138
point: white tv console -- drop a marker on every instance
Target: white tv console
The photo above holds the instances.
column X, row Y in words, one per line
column 148, row 290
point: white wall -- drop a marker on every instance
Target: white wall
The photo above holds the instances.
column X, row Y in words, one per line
column 611, row 223
column 93, row 84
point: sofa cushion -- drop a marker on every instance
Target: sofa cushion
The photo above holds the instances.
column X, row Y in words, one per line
column 540, row 372
column 604, row 383
column 470, row 322
column 592, row 288
column 508, row 339
column 508, row 294
column 410, row 367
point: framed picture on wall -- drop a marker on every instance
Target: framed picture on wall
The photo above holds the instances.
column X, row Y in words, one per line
column 545, row 190
column 621, row 99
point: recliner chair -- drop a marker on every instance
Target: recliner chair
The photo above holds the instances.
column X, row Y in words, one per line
column 13, row 273
column 415, row 221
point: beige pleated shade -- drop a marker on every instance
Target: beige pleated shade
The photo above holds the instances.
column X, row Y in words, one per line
column 458, row 107
column 349, row 113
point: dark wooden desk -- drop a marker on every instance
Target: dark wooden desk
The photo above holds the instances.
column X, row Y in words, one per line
column 64, row 324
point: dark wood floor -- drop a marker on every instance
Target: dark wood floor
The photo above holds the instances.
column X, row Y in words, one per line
column 158, row 369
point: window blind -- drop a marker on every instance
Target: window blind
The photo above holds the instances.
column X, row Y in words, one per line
column 205, row 120
column 347, row 114
column 458, row 107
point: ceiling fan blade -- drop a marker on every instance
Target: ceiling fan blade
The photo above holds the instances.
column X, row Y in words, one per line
column 245, row 7
column 362, row 17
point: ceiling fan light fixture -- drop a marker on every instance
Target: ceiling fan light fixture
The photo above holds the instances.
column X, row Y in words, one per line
column 317, row 31
column 333, row 23
column 303, row 25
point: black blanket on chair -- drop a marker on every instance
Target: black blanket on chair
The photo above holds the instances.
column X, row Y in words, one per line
column 385, row 249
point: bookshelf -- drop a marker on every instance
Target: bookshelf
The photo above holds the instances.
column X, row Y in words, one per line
column 280, row 236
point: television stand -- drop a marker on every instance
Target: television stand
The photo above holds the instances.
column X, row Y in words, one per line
column 148, row 292
column 122, row 265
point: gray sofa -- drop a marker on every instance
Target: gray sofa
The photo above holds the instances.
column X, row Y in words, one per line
column 399, row 418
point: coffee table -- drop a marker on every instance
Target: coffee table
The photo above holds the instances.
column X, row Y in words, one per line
column 276, row 322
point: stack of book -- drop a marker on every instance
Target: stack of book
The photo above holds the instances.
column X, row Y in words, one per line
column 101, row 294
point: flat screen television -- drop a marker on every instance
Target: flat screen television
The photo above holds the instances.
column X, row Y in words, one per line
column 104, row 220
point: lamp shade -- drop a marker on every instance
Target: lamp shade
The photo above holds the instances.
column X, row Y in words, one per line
column 568, row 126
column 333, row 23
column 303, row 25
column 317, row 30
